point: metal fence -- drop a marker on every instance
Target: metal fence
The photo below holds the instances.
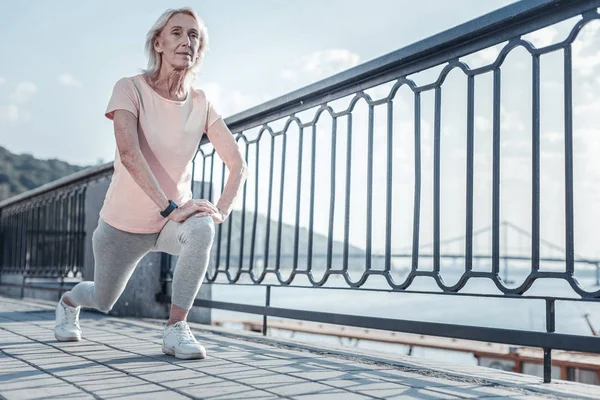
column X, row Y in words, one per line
column 42, row 231
column 252, row 247
column 446, row 49
column 248, row 248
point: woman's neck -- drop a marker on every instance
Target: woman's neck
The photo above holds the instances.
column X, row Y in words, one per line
column 170, row 83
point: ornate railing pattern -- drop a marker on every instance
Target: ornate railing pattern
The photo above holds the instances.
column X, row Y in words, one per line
column 236, row 249
column 42, row 231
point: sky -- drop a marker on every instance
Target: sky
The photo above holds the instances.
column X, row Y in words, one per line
column 62, row 58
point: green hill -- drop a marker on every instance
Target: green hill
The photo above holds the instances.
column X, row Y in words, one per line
column 22, row 172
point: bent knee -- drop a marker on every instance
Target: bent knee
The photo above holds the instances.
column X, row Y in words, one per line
column 198, row 229
column 104, row 305
column 105, row 308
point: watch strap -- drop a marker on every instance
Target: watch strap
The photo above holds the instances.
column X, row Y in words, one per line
column 172, row 206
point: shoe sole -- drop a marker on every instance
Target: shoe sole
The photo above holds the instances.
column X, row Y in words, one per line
column 172, row 352
column 67, row 338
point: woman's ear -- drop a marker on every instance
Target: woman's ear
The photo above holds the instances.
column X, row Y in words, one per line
column 157, row 45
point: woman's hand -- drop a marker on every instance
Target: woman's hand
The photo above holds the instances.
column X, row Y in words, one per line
column 212, row 211
column 197, row 208
column 218, row 217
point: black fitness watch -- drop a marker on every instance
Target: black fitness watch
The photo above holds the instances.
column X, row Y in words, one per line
column 172, row 205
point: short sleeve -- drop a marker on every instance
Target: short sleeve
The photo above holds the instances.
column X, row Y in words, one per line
column 212, row 115
column 124, row 97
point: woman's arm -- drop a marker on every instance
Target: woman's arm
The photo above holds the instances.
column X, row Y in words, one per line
column 228, row 150
column 126, row 134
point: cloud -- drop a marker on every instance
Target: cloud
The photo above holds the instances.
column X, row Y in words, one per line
column 482, row 123
column 590, row 106
column 553, row 137
column 213, row 92
column 229, row 102
column 2, row 80
column 23, row 92
column 488, row 55
column 13, row 113
column 483, row 57
column 585, row 57
column 510, row 120
column 68, row 80
column 542, row 37
column 10, row 113
column 241, row 101
column 289, row 74
column 321, row 64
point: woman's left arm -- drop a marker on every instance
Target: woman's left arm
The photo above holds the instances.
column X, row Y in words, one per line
column 228, row 150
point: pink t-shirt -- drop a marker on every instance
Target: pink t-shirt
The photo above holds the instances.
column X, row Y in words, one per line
column 169, row 133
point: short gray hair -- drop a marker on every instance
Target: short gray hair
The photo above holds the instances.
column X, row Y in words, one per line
column 154, row 58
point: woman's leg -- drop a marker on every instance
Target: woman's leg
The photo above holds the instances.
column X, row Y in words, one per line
column 192, row 241
column 116, row 254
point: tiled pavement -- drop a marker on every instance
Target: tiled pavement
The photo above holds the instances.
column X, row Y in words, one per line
column 121, row 358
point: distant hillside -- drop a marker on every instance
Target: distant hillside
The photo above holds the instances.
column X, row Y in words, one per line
column 286, row 246
column 22, row 172
column 287, row 237
column 19, row 173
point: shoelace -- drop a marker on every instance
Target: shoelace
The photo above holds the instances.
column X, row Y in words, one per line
column 71, row 316
column 184, row 333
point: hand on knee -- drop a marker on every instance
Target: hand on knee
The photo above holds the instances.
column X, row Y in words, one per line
column 197, row 230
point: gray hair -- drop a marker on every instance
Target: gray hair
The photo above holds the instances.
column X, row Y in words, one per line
column 154, row 58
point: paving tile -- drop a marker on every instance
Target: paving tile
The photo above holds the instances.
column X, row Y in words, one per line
column 292, row 366
column 224, row 389
column 158, row 394
column 402, row 393
column 327, row 375
column 25, row 382
column 266, row 379
column 333, row 394
column 363, row 385
column 294, row 389
column 122, row 358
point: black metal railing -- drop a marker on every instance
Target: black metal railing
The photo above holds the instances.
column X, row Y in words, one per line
column 507, row 24
column 249, row 248
column 42, row 231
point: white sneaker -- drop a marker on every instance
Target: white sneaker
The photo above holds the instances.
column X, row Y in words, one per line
column 179, row 341
column 66, row 328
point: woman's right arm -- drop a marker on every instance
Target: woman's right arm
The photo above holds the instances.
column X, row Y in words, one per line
column 128, row 145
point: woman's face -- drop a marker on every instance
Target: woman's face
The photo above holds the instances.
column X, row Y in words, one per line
column 179, row 41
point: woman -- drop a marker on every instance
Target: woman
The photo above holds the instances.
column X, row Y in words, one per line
column 159, row 120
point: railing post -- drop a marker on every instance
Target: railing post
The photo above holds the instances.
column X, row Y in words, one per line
column 550, row 326
column 267, row 304
column 597, row 274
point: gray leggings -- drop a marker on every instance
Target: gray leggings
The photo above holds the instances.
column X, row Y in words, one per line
column 117, row 253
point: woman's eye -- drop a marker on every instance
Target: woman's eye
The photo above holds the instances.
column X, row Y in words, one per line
column 176, row 33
